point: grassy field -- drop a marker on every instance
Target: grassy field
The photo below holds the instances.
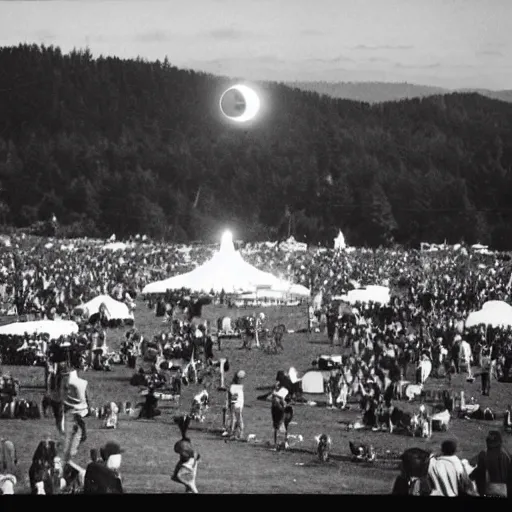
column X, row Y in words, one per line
column 238, row 466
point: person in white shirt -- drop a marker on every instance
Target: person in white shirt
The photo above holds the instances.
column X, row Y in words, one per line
column 235, row 405
column 447, row 473
column 258, row 326
column 75, row 400
column 465, row 358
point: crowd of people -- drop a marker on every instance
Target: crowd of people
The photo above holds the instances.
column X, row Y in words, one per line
column 432, row 295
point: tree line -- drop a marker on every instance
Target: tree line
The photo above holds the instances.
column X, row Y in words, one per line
column 130, row 146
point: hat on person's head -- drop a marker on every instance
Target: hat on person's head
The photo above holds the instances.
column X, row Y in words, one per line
column 494, row 439
column 458, row 337
column 111, row 448
column 240, row 374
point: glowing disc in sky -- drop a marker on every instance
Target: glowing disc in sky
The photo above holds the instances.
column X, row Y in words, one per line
column 240, row 103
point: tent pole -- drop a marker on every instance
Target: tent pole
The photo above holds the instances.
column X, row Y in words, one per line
column 307, row 314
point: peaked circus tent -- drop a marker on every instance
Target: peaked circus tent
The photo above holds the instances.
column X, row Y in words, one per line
column 227, row 271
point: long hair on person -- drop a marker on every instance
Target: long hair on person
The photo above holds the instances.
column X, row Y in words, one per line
column 43, row 468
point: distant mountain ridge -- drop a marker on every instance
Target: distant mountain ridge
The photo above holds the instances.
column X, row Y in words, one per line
column 379, row 92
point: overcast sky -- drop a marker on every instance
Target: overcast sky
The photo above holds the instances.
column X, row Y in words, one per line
column 448, row 43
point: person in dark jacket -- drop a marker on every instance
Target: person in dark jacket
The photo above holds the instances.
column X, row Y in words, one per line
column 455, row 352
column 185, row 471
column 150, row 410
column 413, row 479
column 102, row 477
column 493, row 473
column 284, row 381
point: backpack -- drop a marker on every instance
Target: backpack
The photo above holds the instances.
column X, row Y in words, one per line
column 34, row 412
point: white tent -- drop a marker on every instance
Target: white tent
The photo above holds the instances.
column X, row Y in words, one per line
column 115, row 310
column 372, row 293
column 494, row 313
column 339, row 242
column 55, row 328
column 229, row 272
column 115, row 246
column 313, row 382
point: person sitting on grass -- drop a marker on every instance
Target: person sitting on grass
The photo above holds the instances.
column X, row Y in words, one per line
column 149, row 409
column 102, row 476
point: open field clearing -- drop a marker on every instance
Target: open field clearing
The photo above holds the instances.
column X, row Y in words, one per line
column 238, row 466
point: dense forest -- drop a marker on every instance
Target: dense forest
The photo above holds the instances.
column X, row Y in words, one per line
column 129, row 146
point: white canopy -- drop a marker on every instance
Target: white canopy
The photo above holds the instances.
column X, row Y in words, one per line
column 115, row 246
column 55, row 328
column 371, row 293
column 229, row 272
column 495, row 313
column 261, row 294
column 115, row 310
column 291, row 245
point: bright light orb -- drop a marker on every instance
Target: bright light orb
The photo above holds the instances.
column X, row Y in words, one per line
column 226, row 242
column 240, row 103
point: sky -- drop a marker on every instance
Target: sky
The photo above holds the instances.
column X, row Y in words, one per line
column 444, row 43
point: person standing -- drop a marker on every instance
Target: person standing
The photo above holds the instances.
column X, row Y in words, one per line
column 436, row 357
column 55, row 374
column 258, row 327
column 465, row 359
column 235, row 400
column 185, row 472
column 333, row 325
column 485, row 375
column 456, row 352
column 75, row 402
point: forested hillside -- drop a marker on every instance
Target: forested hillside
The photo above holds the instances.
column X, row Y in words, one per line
column 378, row 92
column 111, row 145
